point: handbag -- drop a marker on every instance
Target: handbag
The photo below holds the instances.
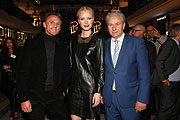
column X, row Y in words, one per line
column 11, row 77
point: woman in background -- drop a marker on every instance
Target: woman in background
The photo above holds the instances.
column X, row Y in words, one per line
column 8, row 75
column 86, row 51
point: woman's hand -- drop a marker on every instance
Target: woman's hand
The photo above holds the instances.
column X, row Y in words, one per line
column 96, row 99
column 5, row 67
column 102, row 102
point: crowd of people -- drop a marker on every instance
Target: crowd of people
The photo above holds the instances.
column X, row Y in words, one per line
column 133, row 76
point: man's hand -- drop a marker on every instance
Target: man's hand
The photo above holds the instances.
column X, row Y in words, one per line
column 140, row 106
column 166, row 82
column 96, row 99
column 26, row 106
column 156, row 33
column 64, row 94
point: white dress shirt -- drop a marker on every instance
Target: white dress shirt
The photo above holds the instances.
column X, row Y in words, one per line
column 120, row 41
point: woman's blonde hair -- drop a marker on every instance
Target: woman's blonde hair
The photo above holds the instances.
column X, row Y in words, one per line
column 84, row 8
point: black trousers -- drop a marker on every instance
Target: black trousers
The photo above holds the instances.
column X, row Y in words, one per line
column 152, row 107
column 56, row 109
column 11, row 93
column 169, row 108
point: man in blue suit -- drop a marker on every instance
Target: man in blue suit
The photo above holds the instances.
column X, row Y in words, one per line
column 127, row 74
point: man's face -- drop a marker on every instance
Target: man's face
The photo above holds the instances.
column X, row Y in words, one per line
column 115, row 26
column 52, row 25
column 139, row 31
column 150, row 31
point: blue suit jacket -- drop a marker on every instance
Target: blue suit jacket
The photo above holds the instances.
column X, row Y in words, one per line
column 131, row 74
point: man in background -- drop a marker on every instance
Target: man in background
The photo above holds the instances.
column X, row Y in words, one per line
column 167, row 73
column 155, row 37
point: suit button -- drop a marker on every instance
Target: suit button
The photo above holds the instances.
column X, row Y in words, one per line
column 115, row 73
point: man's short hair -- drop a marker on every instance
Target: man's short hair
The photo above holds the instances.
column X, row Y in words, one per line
column 149, row 25
column 116, row 13
column 51, row 13
column 172, row 32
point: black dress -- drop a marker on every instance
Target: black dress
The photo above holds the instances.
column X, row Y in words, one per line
column 87, row 75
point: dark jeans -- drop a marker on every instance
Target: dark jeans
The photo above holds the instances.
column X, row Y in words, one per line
column 56, row 110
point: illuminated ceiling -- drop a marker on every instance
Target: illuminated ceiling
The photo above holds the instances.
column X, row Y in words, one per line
column 155, row 9
column 37, row 7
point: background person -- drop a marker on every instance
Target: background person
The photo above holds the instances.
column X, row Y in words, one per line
column 140, row 31
column 167, row 74
column 155, row 37
column 9, row 60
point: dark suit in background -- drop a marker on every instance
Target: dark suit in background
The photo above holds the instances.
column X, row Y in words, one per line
column 151, row 54
column 167, row 62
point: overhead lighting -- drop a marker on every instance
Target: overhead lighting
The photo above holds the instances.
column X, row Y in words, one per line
column 111, row 1
column 161, row 18
column 115, row 10
column 37, row 1
column 123, row 4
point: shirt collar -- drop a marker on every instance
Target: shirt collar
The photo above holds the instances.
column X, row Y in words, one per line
column 120, row 39
column 176, row 41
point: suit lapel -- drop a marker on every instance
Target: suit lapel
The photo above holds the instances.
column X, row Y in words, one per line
column 43, row 53
column 108, row 54
column 123, row 50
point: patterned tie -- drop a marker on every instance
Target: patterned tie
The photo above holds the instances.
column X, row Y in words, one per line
column 115, row 55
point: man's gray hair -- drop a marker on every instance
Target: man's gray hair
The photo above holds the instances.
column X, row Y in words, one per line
column 172, row 32
column 117, row 13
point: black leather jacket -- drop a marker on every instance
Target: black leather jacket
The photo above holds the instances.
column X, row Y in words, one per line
column 87, row 60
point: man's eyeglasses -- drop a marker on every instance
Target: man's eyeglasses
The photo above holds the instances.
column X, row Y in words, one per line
column 136, row 30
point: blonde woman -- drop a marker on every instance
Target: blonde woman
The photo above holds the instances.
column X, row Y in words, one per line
column 87, row 81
